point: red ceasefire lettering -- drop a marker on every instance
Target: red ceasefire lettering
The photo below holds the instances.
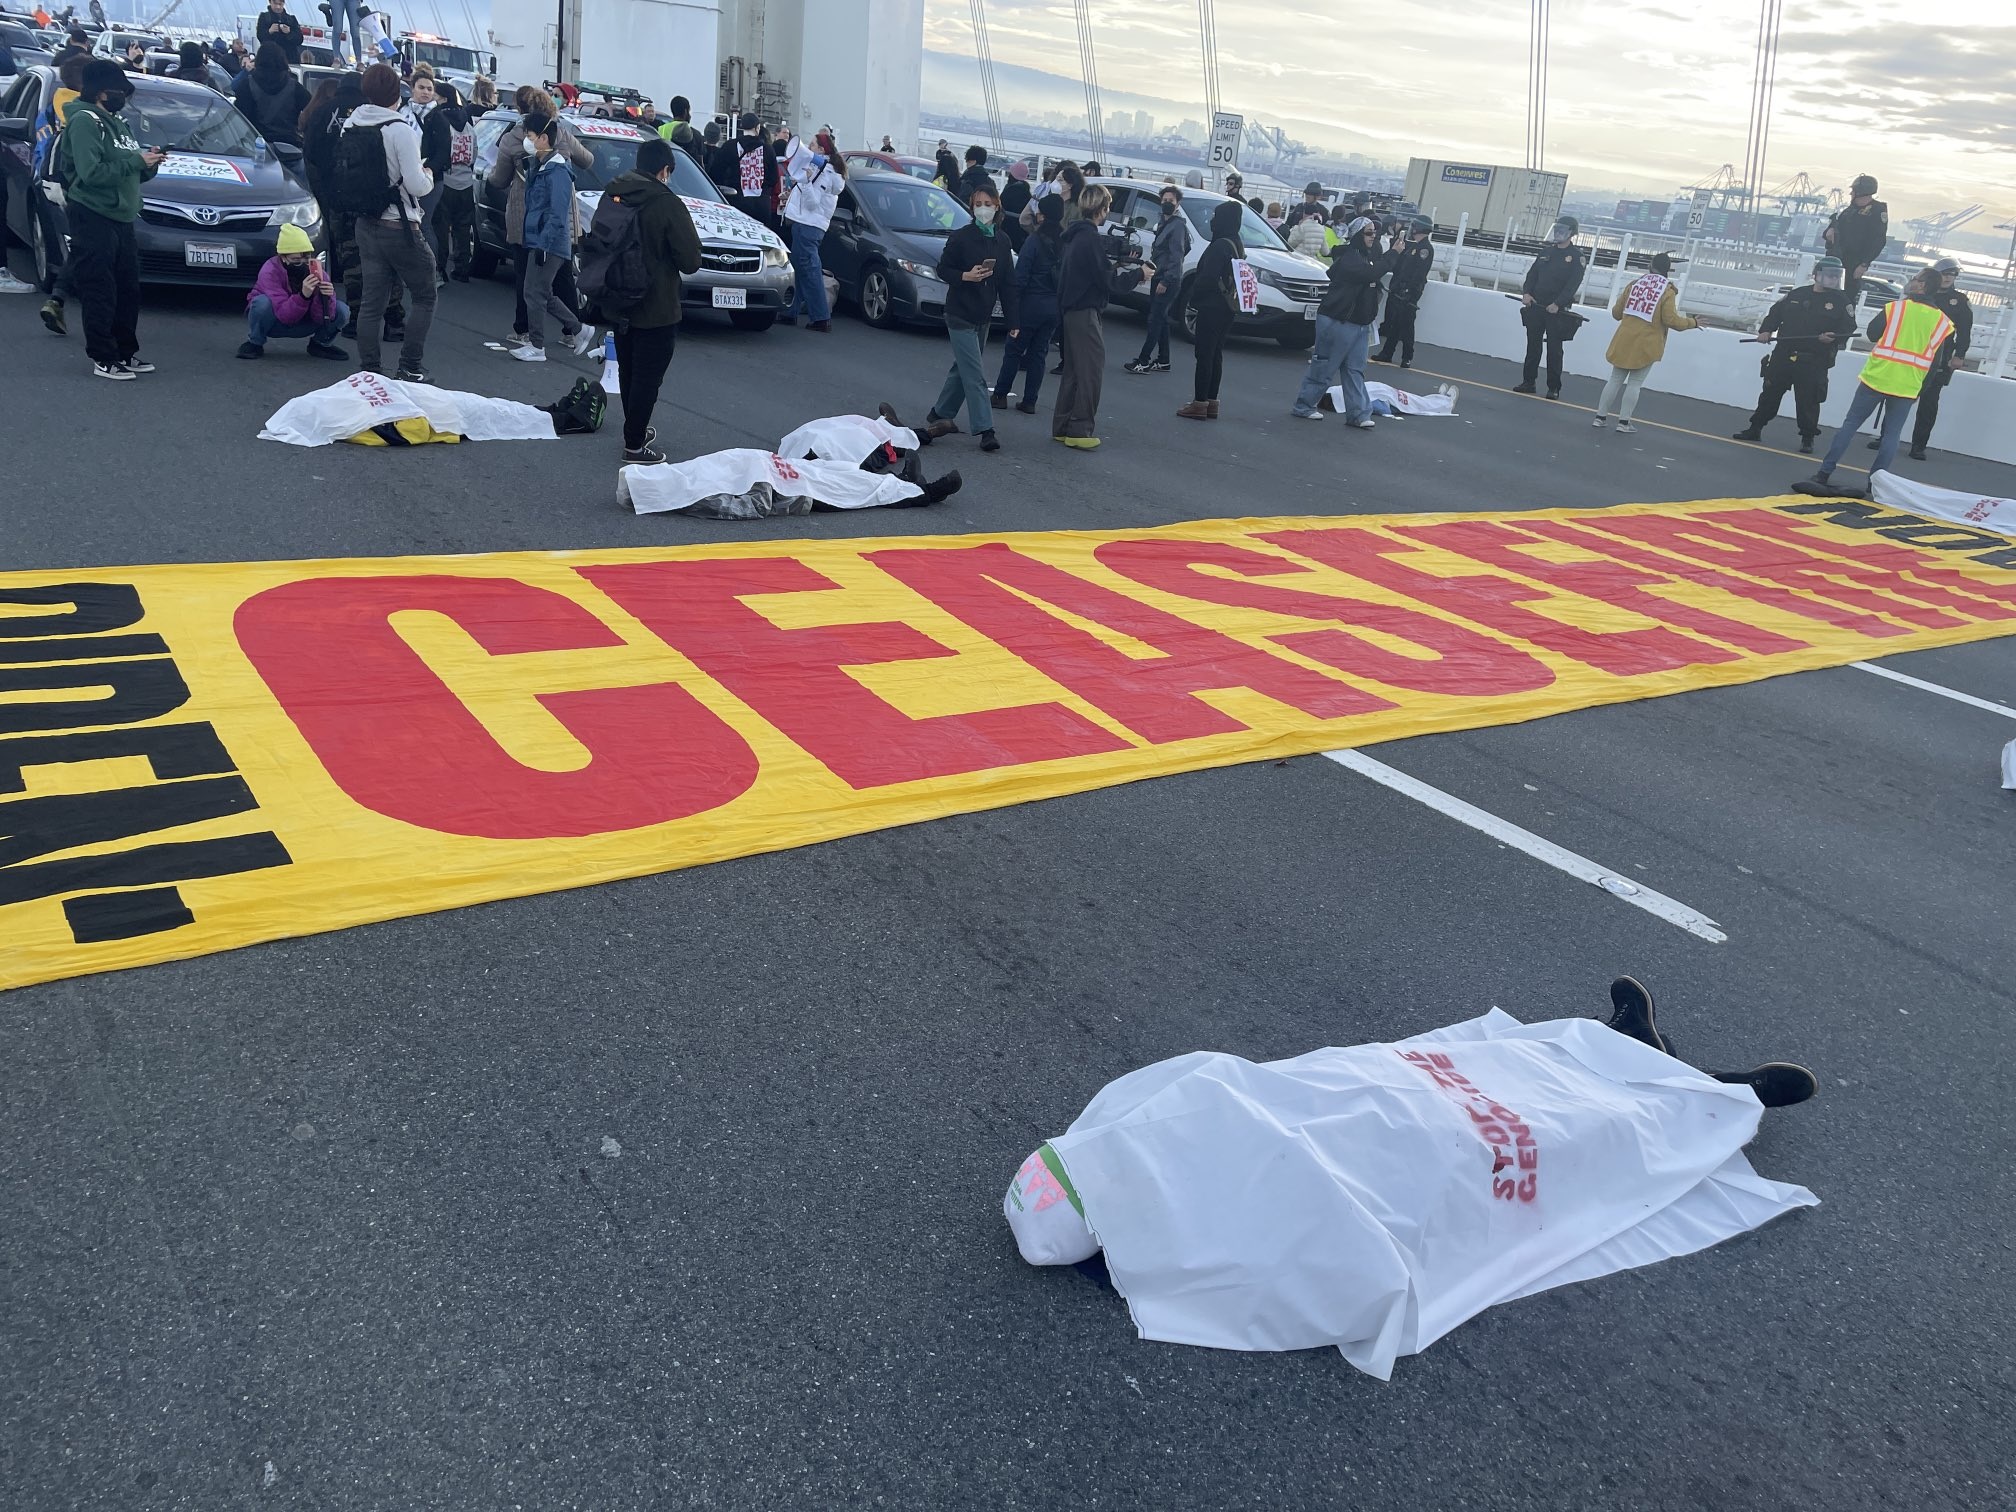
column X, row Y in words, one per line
column 395, row 737
column 1495, row 601
column 1706, row 541
column 1878, row 564
column 986, row 586
column 1464, row 662
column 1508, row 1136
column 1610, row 581
column 795, row 678
column 1771, row 594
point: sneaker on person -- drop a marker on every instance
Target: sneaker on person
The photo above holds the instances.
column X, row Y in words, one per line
column 412, row 375
column 1626, row 428
column 586, row 340
column 52, row 316
column 1137, row 366
column 1157, row 366
column 1600, row 421
column 1311, row 415
column 647, row 455
column 137, row 365
column 322, row 349
column 1081, row 443
column 9, row 284
column 250, row 351
column 529, row 353
column 1365, row 424
column 116, row 371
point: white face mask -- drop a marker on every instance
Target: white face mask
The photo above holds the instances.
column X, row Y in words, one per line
column 984, row 214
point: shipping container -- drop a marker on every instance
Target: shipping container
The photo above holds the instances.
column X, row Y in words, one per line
column 1495, row 197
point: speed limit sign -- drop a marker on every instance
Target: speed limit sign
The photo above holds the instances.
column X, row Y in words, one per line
column 1226, row 130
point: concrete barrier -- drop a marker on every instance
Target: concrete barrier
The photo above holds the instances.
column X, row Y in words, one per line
column 1977, row 415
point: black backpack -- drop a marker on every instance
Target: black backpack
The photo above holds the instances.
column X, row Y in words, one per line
column 614, row 275
column 579, row 411
column 360, row 179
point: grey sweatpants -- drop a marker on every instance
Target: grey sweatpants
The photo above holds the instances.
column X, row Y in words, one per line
column 540, row 300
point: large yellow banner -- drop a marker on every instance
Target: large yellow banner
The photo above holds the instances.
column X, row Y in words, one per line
column 199, row 757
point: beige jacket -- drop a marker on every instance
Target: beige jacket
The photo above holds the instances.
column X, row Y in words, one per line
column 510, row 168
column 1640, row 343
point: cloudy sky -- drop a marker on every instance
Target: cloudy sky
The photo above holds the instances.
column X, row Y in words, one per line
column 1643, row 94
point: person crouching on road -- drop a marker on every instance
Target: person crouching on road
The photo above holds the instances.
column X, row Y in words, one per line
column 1906, row 336
column 816, row 179
column 293, row 298
column 1646, row 309
column 104, row 167
column 1086, row 282
column 1036, row 307
column 1548, row 300
column 648, row 329
column 1216, row 297
column 1344, row 324
column 389, row 245
column 549, row 240
column 978, row 268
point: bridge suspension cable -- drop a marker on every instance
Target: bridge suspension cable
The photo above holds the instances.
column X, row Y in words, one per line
column 984, row 51
column 1088, row 63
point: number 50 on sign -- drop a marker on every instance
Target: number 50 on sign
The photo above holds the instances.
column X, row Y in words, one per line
column 1226, row 129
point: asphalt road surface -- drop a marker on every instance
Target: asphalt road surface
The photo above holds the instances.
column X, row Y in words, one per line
column 326, row 1223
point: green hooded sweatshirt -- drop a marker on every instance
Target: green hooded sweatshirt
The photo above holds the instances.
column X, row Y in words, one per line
column 103, row 170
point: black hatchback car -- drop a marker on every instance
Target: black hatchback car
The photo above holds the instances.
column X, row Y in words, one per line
column 883, row 245
column 210, row 216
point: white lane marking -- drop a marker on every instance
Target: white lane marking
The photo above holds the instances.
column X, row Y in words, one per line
column 1926, row 687
column 1503, row 830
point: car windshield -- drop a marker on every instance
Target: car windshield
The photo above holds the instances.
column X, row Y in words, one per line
column 907, row 204
column 618, row 154
column 190, row 120
column 445, row 55
column 1254, row 233
column 19, row 36
column 123, row 40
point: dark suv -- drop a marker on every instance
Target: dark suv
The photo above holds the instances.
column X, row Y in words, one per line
column 210, row 216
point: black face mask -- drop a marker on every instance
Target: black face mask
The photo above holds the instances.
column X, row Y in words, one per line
column 296, row 272
column 113, row 100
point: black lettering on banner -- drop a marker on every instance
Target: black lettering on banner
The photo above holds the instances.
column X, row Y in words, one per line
column 141, row 690
column 182, row 750
column 82, row 648
column 1982, row 546
column 97, row 917
column 31, row 827
column 89, row 609
column 149, row 866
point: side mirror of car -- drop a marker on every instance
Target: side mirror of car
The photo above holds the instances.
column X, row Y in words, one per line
column 287, row 152
column 16, row 129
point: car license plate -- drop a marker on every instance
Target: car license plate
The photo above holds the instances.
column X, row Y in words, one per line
column 731, row 299
column 1309, row 312
column 210, row 254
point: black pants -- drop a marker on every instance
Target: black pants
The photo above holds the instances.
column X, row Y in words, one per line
column 643, row 353
column 1214, row 323
column 346, row 267
column 1805, row 374
column 104, row 274
column 1540, row 326
column 1928, row 407
column 1397, row 330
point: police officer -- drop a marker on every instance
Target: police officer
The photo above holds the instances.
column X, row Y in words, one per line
column 1811, row 327
column 1858, row 233
column 1942, row 294
column 1548, row 297
column 1312, row 204
column 1403, row 292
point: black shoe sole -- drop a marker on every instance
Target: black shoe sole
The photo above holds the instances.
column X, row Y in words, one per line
column 1632, row 1013
column 1777, row 1084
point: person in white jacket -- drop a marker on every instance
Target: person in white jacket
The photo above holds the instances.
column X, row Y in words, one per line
column 390, row 247
column 816, row 175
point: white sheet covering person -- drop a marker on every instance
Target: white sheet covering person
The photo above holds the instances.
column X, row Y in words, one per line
column 1388, row 400
column 1375, row 1197
column 363, row 401
column 1976, row 511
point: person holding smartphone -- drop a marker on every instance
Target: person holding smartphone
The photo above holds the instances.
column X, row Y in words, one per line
column 978, row 268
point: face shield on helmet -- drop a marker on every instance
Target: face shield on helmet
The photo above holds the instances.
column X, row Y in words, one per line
column 1827, row 274
column 1562, row 232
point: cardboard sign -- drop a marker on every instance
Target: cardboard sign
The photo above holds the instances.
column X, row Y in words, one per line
column 195, row 757
column 187, row 165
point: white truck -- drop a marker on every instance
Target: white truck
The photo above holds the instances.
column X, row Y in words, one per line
column 661, row 48
column 457, row 64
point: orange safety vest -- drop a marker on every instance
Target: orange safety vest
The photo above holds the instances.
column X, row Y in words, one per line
column 1902, row 356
